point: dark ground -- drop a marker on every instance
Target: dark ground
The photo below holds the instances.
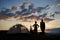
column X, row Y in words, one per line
column 26, row 36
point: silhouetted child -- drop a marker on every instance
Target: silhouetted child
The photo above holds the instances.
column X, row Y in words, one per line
column 42, row 26
column 35, row 26
column 31, row 31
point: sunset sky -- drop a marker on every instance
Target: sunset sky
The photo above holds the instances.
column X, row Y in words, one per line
column 27, row 11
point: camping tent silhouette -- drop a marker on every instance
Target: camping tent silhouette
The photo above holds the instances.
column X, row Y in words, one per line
column 18, row 28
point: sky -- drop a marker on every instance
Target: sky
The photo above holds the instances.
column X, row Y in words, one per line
column 17, row 11
column 9, row 3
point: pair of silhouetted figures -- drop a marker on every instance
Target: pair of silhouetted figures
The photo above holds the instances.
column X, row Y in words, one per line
column 42, row 26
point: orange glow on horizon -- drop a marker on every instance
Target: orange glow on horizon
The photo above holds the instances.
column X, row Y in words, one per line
column 5, row 25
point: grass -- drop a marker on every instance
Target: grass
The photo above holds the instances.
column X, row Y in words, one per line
column 26, row 36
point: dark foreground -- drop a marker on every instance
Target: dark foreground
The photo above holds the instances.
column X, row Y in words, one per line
column 26, row 36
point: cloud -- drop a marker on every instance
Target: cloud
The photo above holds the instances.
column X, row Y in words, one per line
column 24, row 10
column 25, row 14
column 31, row 6
column 48, row 19
column 53, row 15
column 53, row 6
column 29, row 13
column 46, row 6
column 39, row 9
column 22, row 6
column 57, row 12
column 6, row 13
column 34, row 17
column 21, row 14
column 43, row 15
column 14, row 8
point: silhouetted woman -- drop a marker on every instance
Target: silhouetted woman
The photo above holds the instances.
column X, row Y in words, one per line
column 42, row 26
